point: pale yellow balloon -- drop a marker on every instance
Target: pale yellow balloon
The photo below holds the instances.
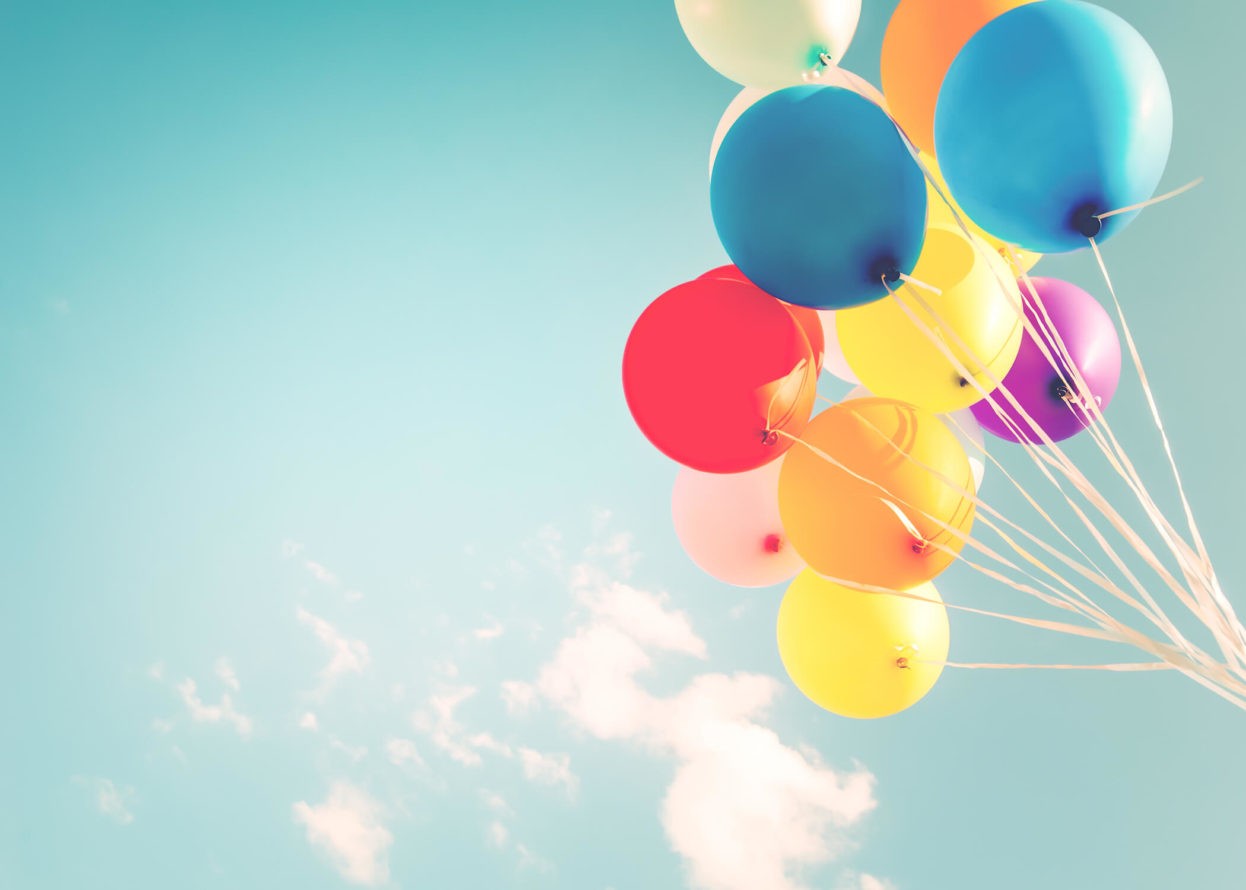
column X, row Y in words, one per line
column 976, row 314
column 940, row 215
column 860, row 654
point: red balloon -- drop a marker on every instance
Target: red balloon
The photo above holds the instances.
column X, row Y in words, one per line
column 712, row 369
column 808, row 319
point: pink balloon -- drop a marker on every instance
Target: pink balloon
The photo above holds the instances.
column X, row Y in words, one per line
column 728, row 523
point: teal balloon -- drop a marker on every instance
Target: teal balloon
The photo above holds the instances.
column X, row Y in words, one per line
column 817, row 199
column 1053, row 113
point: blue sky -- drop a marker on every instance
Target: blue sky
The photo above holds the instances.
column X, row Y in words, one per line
column 332, row 556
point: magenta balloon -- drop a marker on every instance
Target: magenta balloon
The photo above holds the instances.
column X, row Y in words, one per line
column 1092, row 343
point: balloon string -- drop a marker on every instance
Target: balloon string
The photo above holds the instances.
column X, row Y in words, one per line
column 1123, row 667
column 1157, row 616
column 923, row 285
column 1164, row 197
column 1226, row 612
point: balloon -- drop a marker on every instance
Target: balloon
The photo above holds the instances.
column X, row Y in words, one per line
column 940, row 215
column 768, row 44
column 729, row 525
column 964, row 427
column 860, row 654
column 883, row 533
column 834, row 360
column 1092, row 343
column 816, row 198
column 922, row 38
column 1052, row 114
column 749, row 96
column 712, row 370
column 977, row 317
column 808, row 319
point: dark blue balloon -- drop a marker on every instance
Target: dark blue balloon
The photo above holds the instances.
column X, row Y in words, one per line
column 1053, row 113
column 817, row 198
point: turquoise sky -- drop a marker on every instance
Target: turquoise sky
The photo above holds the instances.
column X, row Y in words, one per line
column 320, row 497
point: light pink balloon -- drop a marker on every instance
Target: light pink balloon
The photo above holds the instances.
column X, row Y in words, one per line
column 728, row 523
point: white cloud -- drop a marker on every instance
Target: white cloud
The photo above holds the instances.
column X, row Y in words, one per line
column 549, row 769
column 491, row 631
column 225, row 671
column 869, row 882
column 162, row 724
column 353, row 596
column 348, row 827
column 355, row 754
column 290, row 548
column 113, row 800
column 499, row 835
column 403, row 751
column 320, row 573
column 220, row 713
column 309, row 722
column 530, row 860
column 347, row 656
column 444, row 729
column 496, row 803
column 156, row 671
column 518, row 696
column 744, row 809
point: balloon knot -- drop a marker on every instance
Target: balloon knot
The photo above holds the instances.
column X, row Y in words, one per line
column 963, row 382
column 886, row 270
column 1061, row 391
column 921, row 547
column 902, row 662
column 769, row 437
column 1085, row 220
column 773, row 543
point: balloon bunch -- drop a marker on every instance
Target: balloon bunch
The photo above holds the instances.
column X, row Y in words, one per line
column 888, row 239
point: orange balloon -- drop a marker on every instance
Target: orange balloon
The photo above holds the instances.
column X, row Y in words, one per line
column 922, row 39
column 879, row 534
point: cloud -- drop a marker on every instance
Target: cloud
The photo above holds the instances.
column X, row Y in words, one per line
column 320, row 573
column 869, row 882
column 491, row 631
column 112, row 800
column 220, row 713
column 347, row 656
column 499, row 835
column 290, row 548
column 354, row 754
column 225, row 671
column 744, row 810
column 518, row 696
column 444, row 729
column 309, row 722
column 348, row 827
column 402, row 752
column 496, row 803
column 549, row 769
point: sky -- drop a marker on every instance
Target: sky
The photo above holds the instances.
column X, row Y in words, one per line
column 332, row 558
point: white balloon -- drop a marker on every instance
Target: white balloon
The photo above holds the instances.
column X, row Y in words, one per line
column 964, row 427
column 728, row 523
column 768, row 43
column 833, row 360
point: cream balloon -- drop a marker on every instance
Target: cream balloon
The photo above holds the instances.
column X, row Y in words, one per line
column 833, row 356
column 964, row 427
column 833, row 76
column 728, row 523
column 768, row 43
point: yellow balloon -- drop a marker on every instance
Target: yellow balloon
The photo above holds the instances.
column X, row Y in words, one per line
column 940, row 215
column 891, row 530
column 861, row 654
column 977, row 316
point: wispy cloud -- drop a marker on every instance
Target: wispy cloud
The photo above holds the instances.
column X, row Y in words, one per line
column 518, row 696
column 549, row 769
column 744, row 809
column 290, row 548
column 346, row 656
column 309, row 722
column 348, row 827
column 499, row 835
column 353, row 753
column 402, row 752
column 490, row 631
column 225, row 672
column 320, row 573
column 111, row 799
column 224, row 712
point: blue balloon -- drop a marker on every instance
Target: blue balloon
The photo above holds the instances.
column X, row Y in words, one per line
column 1053, row 113
column 817, row 199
